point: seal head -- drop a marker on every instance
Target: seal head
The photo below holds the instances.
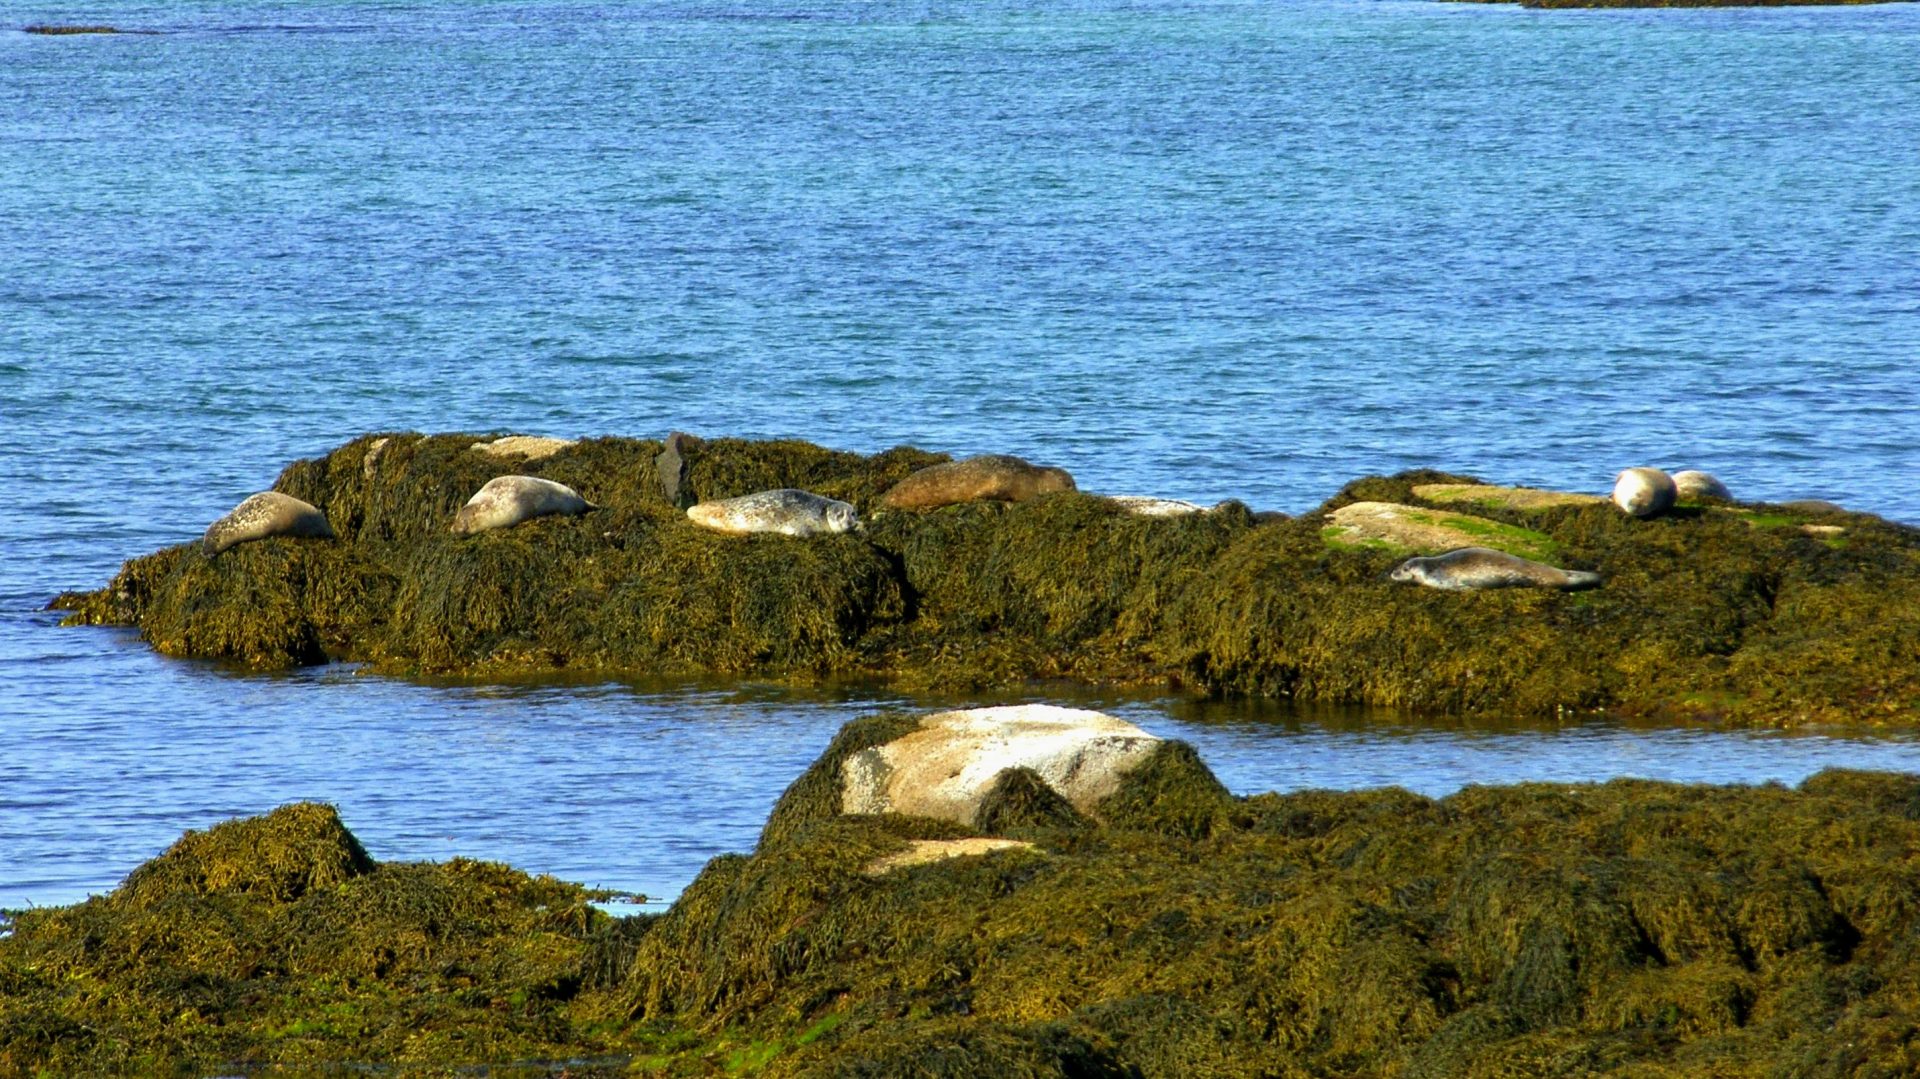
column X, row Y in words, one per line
column 1474, row 568
column 508, row 500
column 1644, row 492
column 786, row 511
column 989, row 477
column 268, row 513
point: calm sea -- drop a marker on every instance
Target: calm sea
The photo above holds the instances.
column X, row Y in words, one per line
column 1199, row 250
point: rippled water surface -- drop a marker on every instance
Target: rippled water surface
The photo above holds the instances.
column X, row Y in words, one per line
column 1200, row 250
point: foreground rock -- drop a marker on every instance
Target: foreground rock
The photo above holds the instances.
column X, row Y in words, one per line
column 1630, row 928
column 1730, row 612
column 946, row 767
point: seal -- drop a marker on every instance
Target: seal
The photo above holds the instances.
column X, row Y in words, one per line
column 1471, row 568
column 1693, row 483
column 672, row 467
column 1644, row 492
column 508, row 500
column 786, row 511
column 266, row 514
column 989, row 477
column 1149, row 506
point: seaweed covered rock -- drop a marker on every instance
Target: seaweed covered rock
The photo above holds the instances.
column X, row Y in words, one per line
column 1629, row 928
column 1766, row 615
column 276, row 942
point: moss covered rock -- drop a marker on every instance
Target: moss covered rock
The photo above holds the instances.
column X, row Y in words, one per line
column 1628, row 928
column 1727, row 612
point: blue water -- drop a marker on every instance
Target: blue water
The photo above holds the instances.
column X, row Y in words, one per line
column 1198, row 250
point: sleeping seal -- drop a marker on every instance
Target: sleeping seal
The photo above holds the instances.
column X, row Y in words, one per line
column 508, row 500
column 991, row 476
column 786, row 511
column 268, row 513
column 1694, row 483
column 1644, row 492
column 1482, row 567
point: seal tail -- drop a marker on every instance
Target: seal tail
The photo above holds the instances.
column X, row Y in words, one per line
column 1578, row 579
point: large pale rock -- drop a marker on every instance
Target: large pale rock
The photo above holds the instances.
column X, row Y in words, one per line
column 946, row 767
column 1428, row 531
column 1516, row 498
column 531, row 447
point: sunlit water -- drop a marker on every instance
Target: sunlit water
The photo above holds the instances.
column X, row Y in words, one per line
column 1199, row 250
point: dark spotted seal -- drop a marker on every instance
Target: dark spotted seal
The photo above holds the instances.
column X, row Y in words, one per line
column 1482, row 567
column 990, row 477
column 508, row 500
column 1644, row 492
column 268, row 513
column 786, row 511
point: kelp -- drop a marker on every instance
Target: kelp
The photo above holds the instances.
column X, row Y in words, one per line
column 1747, row 614
column 1629, row 928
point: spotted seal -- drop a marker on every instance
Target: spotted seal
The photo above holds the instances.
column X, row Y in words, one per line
column 508, row 500
column 266, row 514
column 989, row 477
column 1644, row 492
column 1483, row 567
column 1693, row 483
column 787, row 511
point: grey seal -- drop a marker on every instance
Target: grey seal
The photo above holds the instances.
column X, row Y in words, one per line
column 1693, row 483
column 989, row 477
column 1644, row 492
column 268, row 513
column 508, row 500
column 1482, row 567
column 787, row 511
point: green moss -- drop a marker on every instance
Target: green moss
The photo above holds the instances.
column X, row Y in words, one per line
column 1719, row 605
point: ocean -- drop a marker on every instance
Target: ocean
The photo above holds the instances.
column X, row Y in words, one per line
column 1191, row 249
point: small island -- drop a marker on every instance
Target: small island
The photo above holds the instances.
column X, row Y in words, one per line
column 1715, row 611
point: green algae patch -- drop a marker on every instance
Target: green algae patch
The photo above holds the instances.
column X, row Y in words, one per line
column 1396, row 527
column 1630, row 928
column 1067, row 586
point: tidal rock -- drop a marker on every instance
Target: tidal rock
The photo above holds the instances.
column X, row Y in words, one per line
column 946, row 767
column 1513, row 498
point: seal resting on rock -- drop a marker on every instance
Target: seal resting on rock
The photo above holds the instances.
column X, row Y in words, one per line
column 989, row 477
column 787, row 511
column 1471, row 568
column 1644, row 492
column 268, row 513
column 946, row 767
column 508, row 500
column 1149, row 506
column 1693, row 483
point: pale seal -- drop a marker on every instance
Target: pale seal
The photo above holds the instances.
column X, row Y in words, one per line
column 1483, row 567
column 532, row 447
column 989, row 477
column 786, row 511
column 1644, row 492
column 508, row 500
column 1694, row 483
column 268, row 513
column 1149, row 506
